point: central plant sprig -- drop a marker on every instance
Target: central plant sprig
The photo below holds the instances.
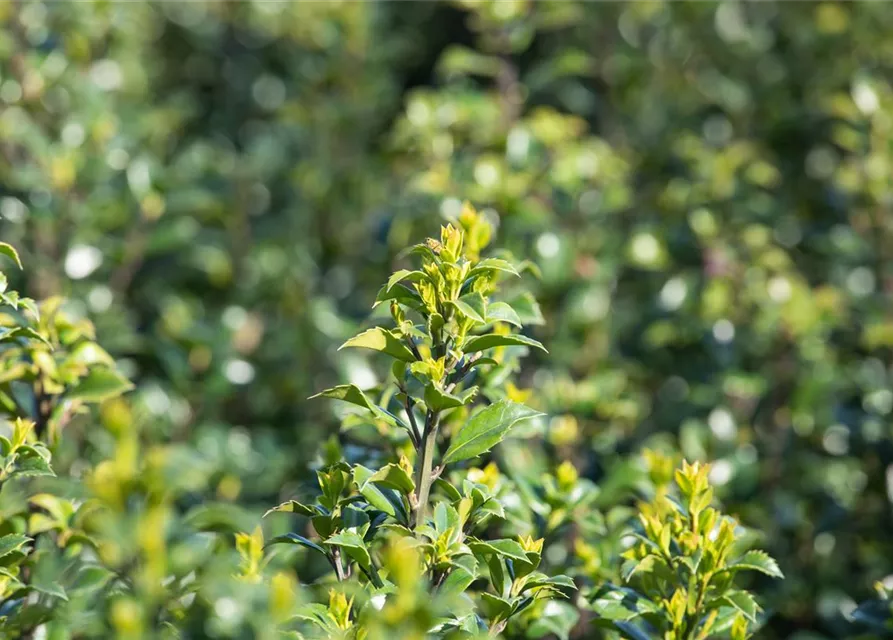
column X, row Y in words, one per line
column 451, row 294
column 447, row 323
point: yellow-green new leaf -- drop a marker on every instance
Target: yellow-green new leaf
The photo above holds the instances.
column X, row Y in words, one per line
column 485, row 429
column 379, row 339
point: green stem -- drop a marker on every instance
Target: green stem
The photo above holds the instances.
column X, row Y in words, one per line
column 425, row 467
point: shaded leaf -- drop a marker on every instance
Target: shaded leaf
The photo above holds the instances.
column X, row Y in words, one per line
column 99, row 384
column 294, row 538
column 11, row 543
column 292, row 506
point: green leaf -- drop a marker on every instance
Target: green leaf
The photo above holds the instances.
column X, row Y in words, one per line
column 446, row 518
column 11, row 333
column 293, row 506
column 743, row 602
column 438, row 400
column 351, row 541
column 490, row 340
column 620, row 603
column 502, row 312
column 502, row 548
column 645, row 565
column 756, row 561
column 47, row 585
column 406, row 274
column 29, row 462
column 451, row 492
column 98, row 385
column 348, row 393
column 456, row 582
column 222, row 517
column 528, row 309
column 379, row 339
column 351, row 393
column 394, row 476
column 631, row 632
column 559, row 582
column 401, row 294
column 495, row 608
column 294, row 538
column 91, row 578
column 11, row 543
column 9, row 251
column 473, row 305
column 492, row 264
column 29, row 305
column 382, row 498
column 486, row 428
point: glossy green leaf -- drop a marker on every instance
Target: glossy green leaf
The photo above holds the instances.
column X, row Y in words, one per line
column 292, row 506
column 528, row 309
column 438, row 400
column 394, row 476
column 348, row 393
column 379, row 339
column 294, row 538
column 490, row 340
column 9, row 251
column 11, row 543
column 472, row 305
column 502, row 548
column 485, row 429
column 743, row 602
column 351, row 542
column 502, row 312
column 405, row 274
column 381, row 497
column 490, row 265
column 756, row 561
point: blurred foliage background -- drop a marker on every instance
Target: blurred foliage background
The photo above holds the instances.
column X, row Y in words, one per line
column 221, row 187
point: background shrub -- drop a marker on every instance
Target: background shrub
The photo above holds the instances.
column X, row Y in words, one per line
column 222, row 188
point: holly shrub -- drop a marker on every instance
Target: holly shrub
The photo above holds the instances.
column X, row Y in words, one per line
column 207, row 197
column 421, row 536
